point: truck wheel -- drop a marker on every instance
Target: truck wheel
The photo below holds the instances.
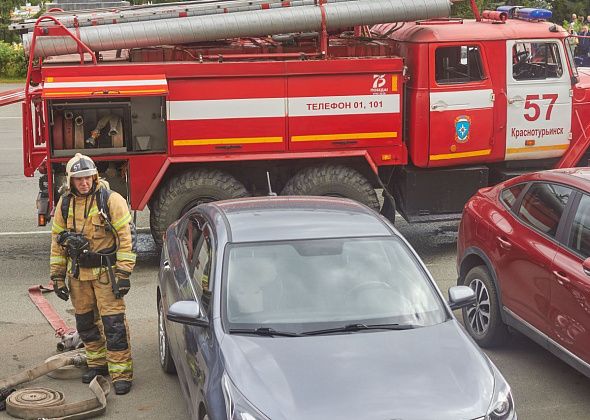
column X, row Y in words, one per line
column 483, row 320
column 187, row 190
column 333, row 181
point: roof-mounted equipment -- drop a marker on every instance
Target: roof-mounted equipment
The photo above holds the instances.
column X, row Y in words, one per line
column 526, row 13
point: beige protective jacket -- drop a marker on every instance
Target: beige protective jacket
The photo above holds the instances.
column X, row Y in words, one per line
column 83, row 214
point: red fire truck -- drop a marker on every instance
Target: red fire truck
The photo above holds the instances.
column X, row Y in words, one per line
column 427, row 111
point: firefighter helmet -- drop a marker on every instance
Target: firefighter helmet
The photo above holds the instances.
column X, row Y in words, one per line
column 80, row 166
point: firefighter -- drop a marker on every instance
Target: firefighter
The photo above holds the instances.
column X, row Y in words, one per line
column 92, row 257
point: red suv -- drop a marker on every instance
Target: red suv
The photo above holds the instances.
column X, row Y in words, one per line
column 523, row 246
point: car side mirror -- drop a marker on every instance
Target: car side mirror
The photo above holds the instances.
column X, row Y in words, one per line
column 586, row 266
column 187, row 312
column 461, row 296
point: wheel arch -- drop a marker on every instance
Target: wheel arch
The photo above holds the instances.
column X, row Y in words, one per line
column 474, row 257
column 253, row 172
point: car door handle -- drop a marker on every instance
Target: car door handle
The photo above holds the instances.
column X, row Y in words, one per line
column 504, row 243
column 562, row 279
column 439, row 105
column 515, row 99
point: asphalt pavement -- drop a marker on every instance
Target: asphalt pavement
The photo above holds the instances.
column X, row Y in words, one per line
column 543, row 386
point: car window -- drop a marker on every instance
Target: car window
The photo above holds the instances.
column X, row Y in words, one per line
column 542, row 206
column 579, row 238
column 302, row 285
column 200, row 268
column 458, row 64
column 509, row 195
column 536, row 61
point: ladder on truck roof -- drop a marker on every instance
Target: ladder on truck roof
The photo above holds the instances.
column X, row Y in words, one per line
column 193, row 22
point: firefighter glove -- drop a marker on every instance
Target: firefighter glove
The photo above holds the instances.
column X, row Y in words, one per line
column 60, row 289
column 124, row 286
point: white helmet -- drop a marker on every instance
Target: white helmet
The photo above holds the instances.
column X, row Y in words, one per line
column 80, row 166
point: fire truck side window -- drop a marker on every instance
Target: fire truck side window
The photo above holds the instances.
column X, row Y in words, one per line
column 536, row 61
column 458, row 64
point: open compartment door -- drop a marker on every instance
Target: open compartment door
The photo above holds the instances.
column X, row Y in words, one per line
column 102, row 115
column 101, row 86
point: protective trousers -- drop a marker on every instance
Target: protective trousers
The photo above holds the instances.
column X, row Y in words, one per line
column 100, row 320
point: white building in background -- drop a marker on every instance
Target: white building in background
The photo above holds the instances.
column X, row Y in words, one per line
column 24, row 12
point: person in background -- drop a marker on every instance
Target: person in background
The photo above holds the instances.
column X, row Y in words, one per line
column 584, row 41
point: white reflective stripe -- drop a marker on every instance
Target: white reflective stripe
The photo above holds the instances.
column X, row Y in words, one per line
column 344, row 105
column 226, row 108
column 102, row 83
column 458, row 100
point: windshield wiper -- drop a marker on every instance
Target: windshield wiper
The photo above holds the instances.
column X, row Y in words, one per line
column 361, row 327
column 265, row 331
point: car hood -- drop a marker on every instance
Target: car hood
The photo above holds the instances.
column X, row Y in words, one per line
column 408, row 374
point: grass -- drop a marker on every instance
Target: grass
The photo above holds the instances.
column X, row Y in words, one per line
column 9, row 80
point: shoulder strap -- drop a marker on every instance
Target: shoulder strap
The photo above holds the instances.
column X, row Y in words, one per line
column 102, row 201
column 65, row 208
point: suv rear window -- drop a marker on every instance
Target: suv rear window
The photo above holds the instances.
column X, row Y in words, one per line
column 509, row 195
column 543, row 205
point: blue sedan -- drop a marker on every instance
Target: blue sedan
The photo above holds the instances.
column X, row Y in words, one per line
column 290, row 308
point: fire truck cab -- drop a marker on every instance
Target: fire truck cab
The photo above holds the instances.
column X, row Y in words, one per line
column 485, row 99
column 426, row 111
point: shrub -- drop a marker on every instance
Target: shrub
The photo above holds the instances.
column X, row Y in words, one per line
column 13, row 63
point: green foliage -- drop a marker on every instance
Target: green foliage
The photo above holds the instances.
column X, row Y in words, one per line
column 13, row 63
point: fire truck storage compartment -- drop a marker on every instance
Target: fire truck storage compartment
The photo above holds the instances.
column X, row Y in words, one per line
column 107, row 126
column 425, row 192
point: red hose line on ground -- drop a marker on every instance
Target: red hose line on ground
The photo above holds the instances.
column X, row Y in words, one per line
column 48, row 311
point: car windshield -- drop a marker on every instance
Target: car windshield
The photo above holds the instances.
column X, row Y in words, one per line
column 305, row 285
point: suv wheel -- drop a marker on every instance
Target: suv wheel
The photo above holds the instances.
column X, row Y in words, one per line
column 483, row 320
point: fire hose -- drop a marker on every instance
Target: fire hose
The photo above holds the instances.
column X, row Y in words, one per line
column 69, row 338
column 45, row 403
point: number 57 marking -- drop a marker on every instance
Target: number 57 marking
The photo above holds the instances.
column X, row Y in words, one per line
column 534, row 107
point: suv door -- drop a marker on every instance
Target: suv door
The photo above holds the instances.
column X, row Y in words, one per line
column 525, row 250
column 570, row 288
column 539, row 109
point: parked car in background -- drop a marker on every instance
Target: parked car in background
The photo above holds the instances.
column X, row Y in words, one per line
column 314, row 308
column 523, row 246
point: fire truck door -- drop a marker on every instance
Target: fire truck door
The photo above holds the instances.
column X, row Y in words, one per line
column 539, row 98
column 461, row 106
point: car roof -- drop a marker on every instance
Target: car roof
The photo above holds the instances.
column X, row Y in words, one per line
column 261, row 219
column 575, row 177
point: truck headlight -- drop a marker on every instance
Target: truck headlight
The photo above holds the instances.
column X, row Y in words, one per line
column 237, row 407
column 502, row 405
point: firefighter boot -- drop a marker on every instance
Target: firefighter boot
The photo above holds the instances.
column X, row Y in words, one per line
column 122, row 387
column 91, row 373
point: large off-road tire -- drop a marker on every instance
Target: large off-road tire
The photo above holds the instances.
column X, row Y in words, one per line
column 483, row 321
column 187, row 190
column 333, row 181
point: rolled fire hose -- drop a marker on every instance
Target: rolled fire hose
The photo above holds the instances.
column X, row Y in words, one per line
column 36, row 403
column 115, row 130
